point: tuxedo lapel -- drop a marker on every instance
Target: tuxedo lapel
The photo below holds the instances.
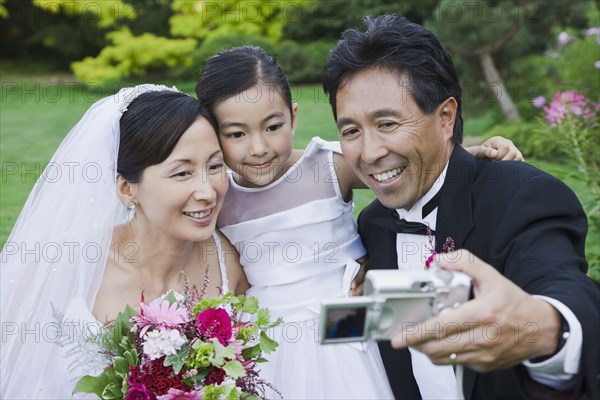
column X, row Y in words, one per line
column 455, row 217
column 383, row 241
column 455, row 213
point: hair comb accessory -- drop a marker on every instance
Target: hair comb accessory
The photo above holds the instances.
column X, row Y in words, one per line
column 125, row 97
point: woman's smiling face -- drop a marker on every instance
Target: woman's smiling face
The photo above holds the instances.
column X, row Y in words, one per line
column 181, row 197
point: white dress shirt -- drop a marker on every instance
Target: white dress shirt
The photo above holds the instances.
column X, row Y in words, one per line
column 557, row 372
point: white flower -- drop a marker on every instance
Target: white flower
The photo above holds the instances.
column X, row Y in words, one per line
column 162, row 342
column 230, row 382
column 564, row 39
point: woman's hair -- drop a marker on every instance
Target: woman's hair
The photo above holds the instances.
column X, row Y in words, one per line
column 236, row 70
column 151, row 127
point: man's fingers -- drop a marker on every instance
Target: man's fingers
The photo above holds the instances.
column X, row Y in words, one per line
column 464, row 261
column 449, row 326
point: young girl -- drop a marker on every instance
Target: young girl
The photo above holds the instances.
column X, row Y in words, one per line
column 289, row 214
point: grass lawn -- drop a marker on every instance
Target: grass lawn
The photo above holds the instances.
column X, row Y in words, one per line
column 36, row 116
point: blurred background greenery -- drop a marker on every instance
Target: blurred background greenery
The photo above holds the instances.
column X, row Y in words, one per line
column 59, row 56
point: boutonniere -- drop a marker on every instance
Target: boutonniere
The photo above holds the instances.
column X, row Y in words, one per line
column 446, row 248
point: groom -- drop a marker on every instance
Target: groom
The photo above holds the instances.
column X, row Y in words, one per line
column 532, row 328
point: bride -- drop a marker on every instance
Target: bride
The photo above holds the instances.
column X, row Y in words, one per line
column 127, row 205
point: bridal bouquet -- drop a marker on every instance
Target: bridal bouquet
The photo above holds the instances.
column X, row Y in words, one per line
column 182, row 346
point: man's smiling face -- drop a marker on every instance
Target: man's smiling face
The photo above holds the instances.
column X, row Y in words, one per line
column 393, row 147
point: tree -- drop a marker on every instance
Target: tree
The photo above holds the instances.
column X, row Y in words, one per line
column 479, row 29
column 496, row 41
column 322, row 19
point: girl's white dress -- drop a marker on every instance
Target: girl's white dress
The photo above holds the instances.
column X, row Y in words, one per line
column 298, row 240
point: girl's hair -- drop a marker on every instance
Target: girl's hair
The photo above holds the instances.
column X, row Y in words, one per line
column 236, row 70
column 151, row 127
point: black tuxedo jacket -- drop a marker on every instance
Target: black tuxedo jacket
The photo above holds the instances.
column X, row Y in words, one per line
column 531, row 228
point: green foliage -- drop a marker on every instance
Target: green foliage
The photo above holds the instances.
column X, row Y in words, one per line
column 214, row 392
column 200, row 19
column 105, row 13
column 574, row 141
column 535, row 75
column 234, row 369
column 218, row 42
column 178, row 360
column 575, row 66
column 304, row 63
column 533, row 139
column 480, row 125
column 130, row 56
column 112, row 383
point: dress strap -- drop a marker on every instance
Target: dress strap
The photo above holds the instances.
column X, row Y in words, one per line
column 222, row 266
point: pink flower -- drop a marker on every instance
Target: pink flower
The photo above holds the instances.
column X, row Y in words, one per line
column 176, row 394
column 215, row 323
column 137, row 392
column 565, row 103
column 159, row 314
column 430, row 259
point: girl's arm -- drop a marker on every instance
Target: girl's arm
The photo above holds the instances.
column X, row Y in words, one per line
column 346, row 177
column 238, row 283
column 496, row 148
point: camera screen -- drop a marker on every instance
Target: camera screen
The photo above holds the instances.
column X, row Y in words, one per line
column 345, row 322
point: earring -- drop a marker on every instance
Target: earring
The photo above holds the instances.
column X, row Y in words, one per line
column 131, row 207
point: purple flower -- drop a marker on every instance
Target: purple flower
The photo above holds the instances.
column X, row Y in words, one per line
column 594, row 31
column 597, row 64
column 137, row 392
column 564, row 39
column 539, row 101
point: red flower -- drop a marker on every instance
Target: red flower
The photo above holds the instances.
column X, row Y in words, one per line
column 137, row 392
column 158, row 379
column 215, row 376
column 134, row 376
column 215, row 323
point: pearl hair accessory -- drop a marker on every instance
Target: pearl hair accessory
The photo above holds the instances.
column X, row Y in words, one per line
column 130, row 95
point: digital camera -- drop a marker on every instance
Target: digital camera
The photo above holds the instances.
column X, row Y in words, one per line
column 392, row 299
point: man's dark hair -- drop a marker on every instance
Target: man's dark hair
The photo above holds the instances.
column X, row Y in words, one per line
column 393, row 43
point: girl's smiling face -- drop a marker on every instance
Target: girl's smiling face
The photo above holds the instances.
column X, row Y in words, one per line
column 255, row 131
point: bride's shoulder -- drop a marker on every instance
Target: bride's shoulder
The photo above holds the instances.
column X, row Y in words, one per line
column 117, row 280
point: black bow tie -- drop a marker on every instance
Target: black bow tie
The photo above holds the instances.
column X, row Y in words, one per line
column 398, row 225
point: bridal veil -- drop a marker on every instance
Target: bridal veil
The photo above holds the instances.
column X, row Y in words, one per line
column 58, row 248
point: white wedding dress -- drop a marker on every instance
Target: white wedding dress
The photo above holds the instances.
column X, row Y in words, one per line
column 81, row 350
column 298, row 240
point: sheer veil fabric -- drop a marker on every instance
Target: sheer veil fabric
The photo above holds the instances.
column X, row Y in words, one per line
column 58, row 249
